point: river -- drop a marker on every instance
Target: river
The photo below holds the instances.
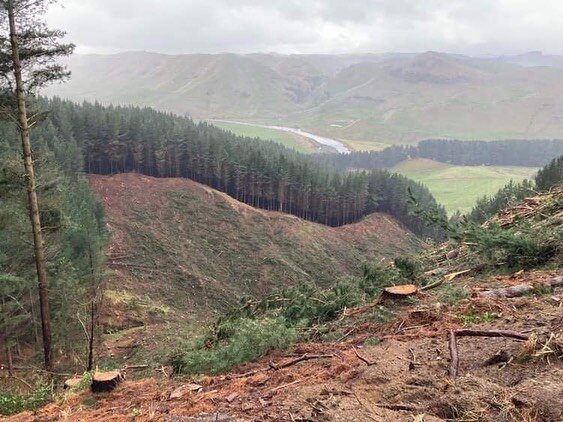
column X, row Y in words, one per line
column 329, row 142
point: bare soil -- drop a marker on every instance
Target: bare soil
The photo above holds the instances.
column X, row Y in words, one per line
column 391, row 371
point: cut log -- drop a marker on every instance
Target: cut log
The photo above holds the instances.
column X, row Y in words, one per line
column 106, row 381
column 400, row 291
column 512, row 291
column 72, row 382
column 521, row 289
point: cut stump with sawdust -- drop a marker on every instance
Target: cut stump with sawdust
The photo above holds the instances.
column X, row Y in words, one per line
column 399, row 291
column 72, row 382
column 103, row 382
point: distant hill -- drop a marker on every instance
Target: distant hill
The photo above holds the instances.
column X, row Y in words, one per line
column 390, row 98
column 179, row 246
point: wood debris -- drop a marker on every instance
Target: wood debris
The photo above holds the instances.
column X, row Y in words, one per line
column 521, row 289
column 452, row 343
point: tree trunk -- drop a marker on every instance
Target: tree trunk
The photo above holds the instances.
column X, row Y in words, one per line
column 10, row 360
column 92, row 332
column 31, row 192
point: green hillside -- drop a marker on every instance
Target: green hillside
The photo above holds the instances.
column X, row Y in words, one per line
column 380, row 99
column 458, row 187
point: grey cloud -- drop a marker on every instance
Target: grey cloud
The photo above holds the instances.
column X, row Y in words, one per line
column 312, row 26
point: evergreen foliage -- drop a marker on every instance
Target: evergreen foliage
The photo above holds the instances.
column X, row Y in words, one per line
column 274, row 321
column 526, row 153
column 510, row 194
column 518, row 247
column 109, row 140
column 550, row 175
column 243, row 340
column 12, row 403
column 72, row 221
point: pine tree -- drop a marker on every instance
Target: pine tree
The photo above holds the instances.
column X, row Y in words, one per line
column 27, row 53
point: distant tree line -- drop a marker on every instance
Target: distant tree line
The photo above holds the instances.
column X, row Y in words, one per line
column 547, row 177
column 109, row 140
column 529, row 153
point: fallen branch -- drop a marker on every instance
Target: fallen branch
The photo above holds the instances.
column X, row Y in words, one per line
column 361, row 309
column 36, row 369
column 305, row 357
column 397, row 406
column 163, row 370
column 437, row 283
column 452, row 342
column 450, row 277
column 245, row 374
column 135, row 367
column 277, row 367
column 454, row 362
column 279, row 387
column 367, row 409
column 363, row 358
column 491, row 333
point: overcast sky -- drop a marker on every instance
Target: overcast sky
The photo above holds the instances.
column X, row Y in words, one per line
column 478, row 27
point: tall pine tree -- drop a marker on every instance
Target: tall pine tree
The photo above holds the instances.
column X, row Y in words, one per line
column 28, row 50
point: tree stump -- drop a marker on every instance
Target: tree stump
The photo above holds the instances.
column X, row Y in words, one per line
column 72, row 382
column 103, row 382
column 399, row 292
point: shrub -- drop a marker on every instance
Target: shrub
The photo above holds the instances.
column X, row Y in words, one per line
column 12, row 403
column 305, row 304
column 472, row 318
column 376, row 278
column 242, row 340
column 451, row 294
column 520, row 246
column 250, row 331
column 408, row 267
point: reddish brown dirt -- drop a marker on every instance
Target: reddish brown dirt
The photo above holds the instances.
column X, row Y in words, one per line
column 224, row 250
column 406, row 381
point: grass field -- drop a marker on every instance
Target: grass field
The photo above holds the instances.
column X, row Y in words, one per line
column 458, row 187
column 287, row 139
column 364, row 145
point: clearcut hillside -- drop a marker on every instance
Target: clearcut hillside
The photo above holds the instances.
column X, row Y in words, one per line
column 179, row 247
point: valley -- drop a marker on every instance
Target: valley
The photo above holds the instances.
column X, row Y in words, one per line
column 249, row 211
column 343, row 103
column 380, row 99
column 459, row 187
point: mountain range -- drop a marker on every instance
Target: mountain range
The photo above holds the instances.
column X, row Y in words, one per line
column 383, row 98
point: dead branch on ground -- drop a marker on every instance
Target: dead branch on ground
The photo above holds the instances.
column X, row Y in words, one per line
column 452, row 343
